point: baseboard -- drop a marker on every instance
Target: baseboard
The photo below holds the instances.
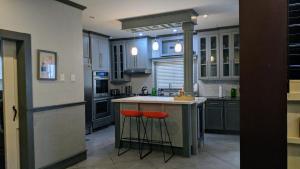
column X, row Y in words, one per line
column 230, row 132
column 68, row 162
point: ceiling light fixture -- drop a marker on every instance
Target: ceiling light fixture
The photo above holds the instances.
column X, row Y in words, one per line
column 134, row 51
column 178, row 47
column 205, row 16
column 155, row 45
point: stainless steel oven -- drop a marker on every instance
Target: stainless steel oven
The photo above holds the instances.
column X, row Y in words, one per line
column 100, row 83
column 102, row 115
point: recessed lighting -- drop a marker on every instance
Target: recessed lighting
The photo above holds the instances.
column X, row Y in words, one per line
column 91, row 17
column 141, row 34
column 110, row 37
column 174, row 30
column 205, row 16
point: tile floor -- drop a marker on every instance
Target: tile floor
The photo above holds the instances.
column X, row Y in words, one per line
column 219, row 152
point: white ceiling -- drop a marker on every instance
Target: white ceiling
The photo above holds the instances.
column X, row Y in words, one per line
column 107, row 12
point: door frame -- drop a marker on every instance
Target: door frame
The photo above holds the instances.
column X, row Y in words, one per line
column 24, row 66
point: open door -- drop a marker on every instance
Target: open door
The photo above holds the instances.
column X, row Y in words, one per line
column 10, row 105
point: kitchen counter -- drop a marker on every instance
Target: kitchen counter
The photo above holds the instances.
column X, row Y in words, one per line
column 157, row 99
column 223, row 98
column 183, row 120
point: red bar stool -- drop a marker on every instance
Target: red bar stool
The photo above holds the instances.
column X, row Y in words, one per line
column 160, row 116
column 130, row 114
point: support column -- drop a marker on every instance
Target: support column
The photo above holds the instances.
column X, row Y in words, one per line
column 188, row 28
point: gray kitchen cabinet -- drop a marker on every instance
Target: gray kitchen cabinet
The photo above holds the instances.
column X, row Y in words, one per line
column 229, row 54
column 142, row 60
column 86, row 49
column 222, row 115
column 209, row 56
column 99, row 52
column 232, row 115
column 118, row 62
column 219, row 55
column 214, row 115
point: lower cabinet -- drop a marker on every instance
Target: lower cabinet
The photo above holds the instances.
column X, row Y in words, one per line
column 222, row 116
column 232, row 115
column 214, row 115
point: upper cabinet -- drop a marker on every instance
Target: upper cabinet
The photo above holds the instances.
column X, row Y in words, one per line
column 209, row 56
column 142, row 59
column 219, row 55
column 86, row 49
column 100, row 52
column 118, row 62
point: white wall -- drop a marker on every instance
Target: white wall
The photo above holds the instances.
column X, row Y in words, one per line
column 56, row 27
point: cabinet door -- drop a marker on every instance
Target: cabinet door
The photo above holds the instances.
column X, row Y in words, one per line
column 232, row 115
column 86, row 48
column 130, row 59
column 236, row 55
column 214, row 115
column 121, row 60
column 95, row 50
column 213, row 57
column 104, row 53
column 203, row 58
column 225, row 56
column 114, row 62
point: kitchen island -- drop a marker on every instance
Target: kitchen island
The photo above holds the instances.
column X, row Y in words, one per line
column 183, row 121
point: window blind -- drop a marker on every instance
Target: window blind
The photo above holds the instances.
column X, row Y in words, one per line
column 169, row 74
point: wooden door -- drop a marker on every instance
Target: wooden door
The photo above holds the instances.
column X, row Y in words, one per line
column 10, row 105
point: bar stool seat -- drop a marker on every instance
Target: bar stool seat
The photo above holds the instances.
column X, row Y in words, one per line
column 131, row 113
column 155, row 115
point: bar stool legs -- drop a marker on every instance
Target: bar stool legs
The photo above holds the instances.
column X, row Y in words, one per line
column 161, row 142
column 130, row 136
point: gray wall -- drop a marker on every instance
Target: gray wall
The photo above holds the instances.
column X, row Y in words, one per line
column 58, row 134
column 56, row 27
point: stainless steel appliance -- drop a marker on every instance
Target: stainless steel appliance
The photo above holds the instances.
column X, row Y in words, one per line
column 100, row 83
column 102, row 115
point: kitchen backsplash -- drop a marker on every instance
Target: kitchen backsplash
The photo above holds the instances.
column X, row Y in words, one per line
column 137, row 82
column 211, row 88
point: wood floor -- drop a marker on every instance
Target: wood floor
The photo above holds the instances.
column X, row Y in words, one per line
column 219, row 152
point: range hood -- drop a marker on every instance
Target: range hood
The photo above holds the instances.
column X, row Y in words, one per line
column 138, row 71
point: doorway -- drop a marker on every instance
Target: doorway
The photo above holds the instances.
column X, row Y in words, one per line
column 10, row 138
column 17, row 133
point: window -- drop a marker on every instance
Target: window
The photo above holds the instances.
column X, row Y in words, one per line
column 170, row 73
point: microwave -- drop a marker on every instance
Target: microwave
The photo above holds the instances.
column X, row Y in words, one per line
column 100, row 83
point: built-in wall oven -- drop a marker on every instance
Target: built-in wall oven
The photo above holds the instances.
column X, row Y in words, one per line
column 100, row 83
column 102, row 115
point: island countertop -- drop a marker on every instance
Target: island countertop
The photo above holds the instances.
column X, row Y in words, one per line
column 157, row 99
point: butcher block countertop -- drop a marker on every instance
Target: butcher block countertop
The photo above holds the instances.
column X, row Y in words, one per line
column 158, row 100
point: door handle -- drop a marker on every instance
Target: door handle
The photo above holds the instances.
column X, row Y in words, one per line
column 15, row 112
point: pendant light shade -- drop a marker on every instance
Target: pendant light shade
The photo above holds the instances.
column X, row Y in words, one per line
column 178, row 47
column 155, row 45
column 134, row 51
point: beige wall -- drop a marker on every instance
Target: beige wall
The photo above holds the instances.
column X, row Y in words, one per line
column 56, row 27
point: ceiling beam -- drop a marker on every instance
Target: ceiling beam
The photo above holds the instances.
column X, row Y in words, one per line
column 73, row 4
column 188, row 15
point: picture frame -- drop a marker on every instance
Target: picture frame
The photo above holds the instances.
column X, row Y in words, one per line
column 47, row 65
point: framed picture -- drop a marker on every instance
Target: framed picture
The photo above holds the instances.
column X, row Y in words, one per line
column 47, row 65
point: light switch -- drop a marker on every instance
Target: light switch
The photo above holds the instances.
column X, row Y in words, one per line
column 62, row 77
column 73, row 77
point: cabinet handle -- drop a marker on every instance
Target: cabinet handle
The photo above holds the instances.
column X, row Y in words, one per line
column 214, row 103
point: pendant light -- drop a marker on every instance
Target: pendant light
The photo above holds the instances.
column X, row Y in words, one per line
column 134, row 49
column 178, row 47
column 155, row 45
